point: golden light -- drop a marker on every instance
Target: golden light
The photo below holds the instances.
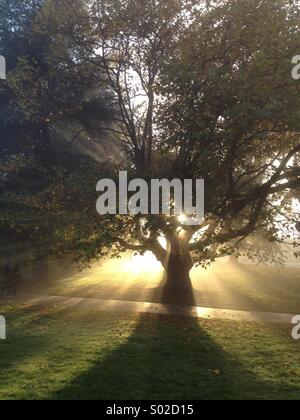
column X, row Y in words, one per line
column 182, row 218
column 163, row 242
column 296, row 205
column 146, row 263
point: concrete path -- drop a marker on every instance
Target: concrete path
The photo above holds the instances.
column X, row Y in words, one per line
column 153, row 308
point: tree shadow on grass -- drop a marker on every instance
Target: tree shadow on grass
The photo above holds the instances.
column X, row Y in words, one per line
column 170, row 358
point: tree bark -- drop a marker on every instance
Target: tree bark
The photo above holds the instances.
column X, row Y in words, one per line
column 178, row 288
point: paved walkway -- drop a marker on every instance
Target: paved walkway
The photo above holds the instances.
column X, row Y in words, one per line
column 155, row 308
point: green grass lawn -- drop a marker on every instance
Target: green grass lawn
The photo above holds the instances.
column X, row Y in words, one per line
column 63, row 354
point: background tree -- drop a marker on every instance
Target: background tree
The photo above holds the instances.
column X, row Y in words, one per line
column 13, row 21
column 50, row 94
column 48, row 83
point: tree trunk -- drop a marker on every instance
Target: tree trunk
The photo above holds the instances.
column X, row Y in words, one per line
column 178, row 263
column 178, row 289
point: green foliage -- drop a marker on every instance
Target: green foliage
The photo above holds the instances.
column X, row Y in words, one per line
column 231, row 113
column 50, row 204
column 48, row 80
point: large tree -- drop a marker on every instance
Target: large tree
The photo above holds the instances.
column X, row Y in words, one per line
column 199, row 91
column 219, row 104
